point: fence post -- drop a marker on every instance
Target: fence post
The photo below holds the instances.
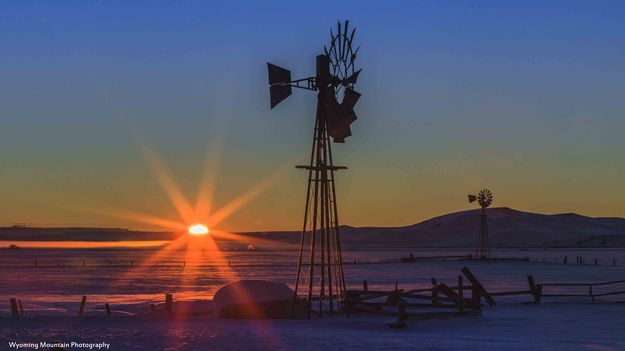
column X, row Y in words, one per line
column 82, row 306
column 477, row 285
column 169, row 303
column 434, row 292
column 365, row 285
column 14, row 311
column 402, row 310
column 475, row 297
column 108, row 308
column 534, row 289
column 19, row 302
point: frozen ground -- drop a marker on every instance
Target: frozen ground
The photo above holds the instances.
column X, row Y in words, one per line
column 60, row 279
column 506, row 327
column 51, row 293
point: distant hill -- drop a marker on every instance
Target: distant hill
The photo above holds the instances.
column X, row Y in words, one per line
column 507, row 227
column 21, row 233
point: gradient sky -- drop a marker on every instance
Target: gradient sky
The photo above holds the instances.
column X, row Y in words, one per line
column 523, row 97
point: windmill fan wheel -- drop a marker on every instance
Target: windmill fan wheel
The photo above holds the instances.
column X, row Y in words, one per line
column 341, row 58
column 485, row 198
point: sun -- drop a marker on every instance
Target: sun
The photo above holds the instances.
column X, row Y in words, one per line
column 198, row 229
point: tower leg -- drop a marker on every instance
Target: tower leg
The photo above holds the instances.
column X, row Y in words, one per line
column 338, row 254
column 321, row 216
column 311, row 270
column 304, row 227
column 482, row 249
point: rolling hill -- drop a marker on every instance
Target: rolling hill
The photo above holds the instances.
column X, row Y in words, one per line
column 507, row 227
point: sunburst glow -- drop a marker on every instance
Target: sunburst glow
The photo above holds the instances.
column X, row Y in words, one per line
column 198, row 229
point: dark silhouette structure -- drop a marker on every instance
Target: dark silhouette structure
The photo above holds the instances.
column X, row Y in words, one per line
column 484, row 198
column 334, row 83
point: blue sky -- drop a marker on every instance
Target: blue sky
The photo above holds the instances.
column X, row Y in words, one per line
column 523, row 97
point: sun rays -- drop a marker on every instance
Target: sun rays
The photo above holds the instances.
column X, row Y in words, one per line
column 194, row 224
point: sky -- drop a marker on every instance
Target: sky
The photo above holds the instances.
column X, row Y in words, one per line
column 522, row 97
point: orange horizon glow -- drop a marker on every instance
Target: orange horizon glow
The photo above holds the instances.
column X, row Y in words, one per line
column 196, row 245
column 195, row 220
column 84, row 244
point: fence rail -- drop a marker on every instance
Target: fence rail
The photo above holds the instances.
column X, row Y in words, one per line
column 452, row 297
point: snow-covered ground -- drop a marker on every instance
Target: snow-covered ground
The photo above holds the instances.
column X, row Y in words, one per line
column 551, row 326
column 60, row 280
column 51, row 295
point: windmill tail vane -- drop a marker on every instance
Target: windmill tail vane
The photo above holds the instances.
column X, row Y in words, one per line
column 334, row 79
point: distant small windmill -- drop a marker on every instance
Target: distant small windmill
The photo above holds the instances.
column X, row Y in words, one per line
column 484, row 198
column 334, row 83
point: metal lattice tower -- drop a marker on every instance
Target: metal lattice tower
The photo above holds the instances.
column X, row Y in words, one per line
column 484, row 198
column 334, row 83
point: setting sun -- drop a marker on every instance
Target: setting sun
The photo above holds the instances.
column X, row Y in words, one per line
column 198, row 229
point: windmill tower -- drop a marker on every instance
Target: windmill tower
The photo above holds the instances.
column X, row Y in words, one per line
column 484, row 198
column 334, row 83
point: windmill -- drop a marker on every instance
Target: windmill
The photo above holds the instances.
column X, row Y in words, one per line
column 334, row 83
column 484, row 198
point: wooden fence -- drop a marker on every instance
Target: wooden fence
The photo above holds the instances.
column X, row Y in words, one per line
column 439, row 297
column 572, row 289
column 452, row 299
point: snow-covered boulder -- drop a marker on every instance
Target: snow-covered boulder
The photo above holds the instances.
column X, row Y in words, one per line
column 255, row 299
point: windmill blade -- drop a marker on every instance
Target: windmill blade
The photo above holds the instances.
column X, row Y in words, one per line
column 353, row 78
column 344, row 41
column 338, row 36
column 347, row 132
column 350, row 99
column 277, row 93
column 351, row 37
column 339, row 125
column 278, row 74
column 349, row 118
column 333, row 45
column 340, row 116
column 341, row 139
column 353, row 58
column 339, row 135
